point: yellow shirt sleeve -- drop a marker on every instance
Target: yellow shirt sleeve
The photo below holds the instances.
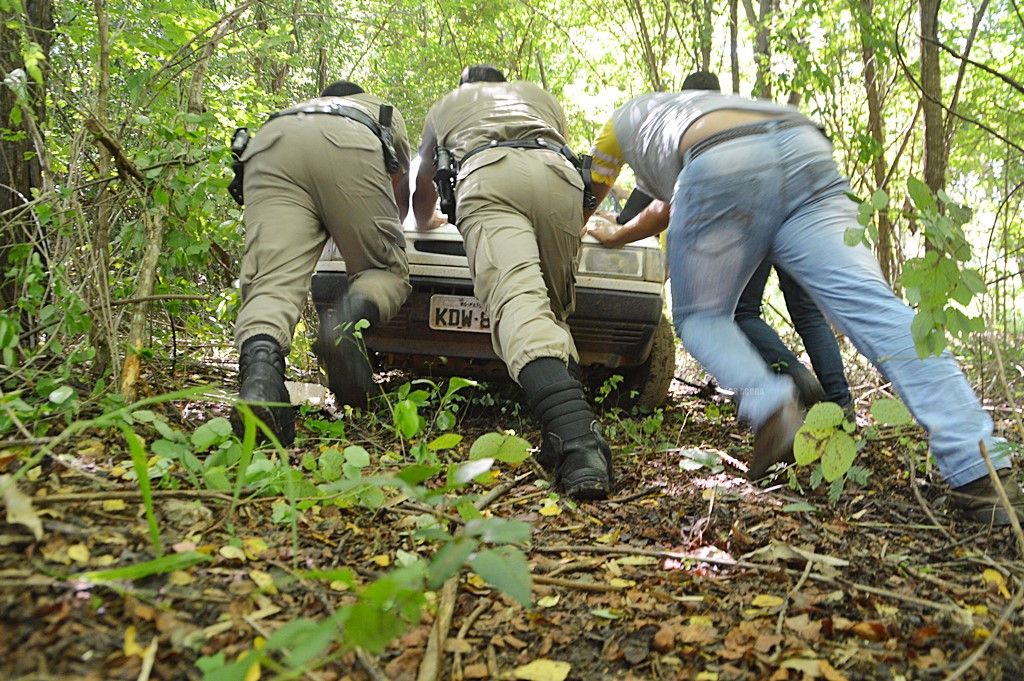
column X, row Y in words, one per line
column 608, row 160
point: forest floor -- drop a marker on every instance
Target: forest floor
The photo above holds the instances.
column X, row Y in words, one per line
column 689, row 571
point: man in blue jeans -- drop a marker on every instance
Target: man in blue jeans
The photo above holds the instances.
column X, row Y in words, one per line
column 740, row 181
column 819, row 341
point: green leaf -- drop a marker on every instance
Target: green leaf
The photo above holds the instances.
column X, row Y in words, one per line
column 920, row 194
column 449, row 560
column 210, row 433
column 506, row 569
column 157, row 566
column 840, row 451
column 406, row 418
column 303, row 638
column 607, row 613
column 499, row 530
column 216, row 479
column 501, row 446
column 61, row 394
column 357, row 456
column 416, row 473
column 806, row 446
column 891, row 412
column 973, row 280
column 330, row 463
column 799, row 507
column 879, row 200
column 446, row 441
column 853, row 236
column 824, row 416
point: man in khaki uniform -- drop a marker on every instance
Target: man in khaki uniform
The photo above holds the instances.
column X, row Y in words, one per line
column 317, row 169
column 520, row 212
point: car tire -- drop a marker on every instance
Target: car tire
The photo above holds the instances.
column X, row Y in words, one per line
column 644, row 385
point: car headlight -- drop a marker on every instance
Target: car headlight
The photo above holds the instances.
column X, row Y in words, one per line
column 611, row 262
column 654, row 268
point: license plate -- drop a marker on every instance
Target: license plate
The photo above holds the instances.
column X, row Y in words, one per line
column 458, row 313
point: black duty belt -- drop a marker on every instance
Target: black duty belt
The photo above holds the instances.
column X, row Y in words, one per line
column 741, row 131
column 538, row 143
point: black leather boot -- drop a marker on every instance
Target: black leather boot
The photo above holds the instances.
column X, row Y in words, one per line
column 343, row 355
column 261, row 381
column 572, row 449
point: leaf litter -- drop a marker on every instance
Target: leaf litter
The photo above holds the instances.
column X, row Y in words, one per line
column 699, row 575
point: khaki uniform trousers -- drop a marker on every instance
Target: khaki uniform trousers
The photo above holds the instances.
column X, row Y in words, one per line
column 308, row 177
column 521, row 217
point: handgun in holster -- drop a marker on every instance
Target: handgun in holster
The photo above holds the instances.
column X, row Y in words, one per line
column 239, row 141
column 444, row 181
column 387, row 139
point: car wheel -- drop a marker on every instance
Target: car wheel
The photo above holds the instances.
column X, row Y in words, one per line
column 645, row 385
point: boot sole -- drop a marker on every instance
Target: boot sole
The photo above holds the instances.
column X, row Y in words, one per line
column 589, row 489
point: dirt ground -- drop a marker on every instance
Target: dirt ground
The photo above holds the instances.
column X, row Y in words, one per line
column 688, row 572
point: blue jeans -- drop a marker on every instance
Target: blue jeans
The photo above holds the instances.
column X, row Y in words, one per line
column 779, row 195
column 810, row 325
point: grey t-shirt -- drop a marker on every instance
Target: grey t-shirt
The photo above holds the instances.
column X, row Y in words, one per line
column 648, row 130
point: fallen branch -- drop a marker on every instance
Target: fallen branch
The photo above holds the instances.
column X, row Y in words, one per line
column 575, row 584
column 121, row 494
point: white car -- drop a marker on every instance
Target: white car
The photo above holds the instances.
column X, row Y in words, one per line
column 619, row 325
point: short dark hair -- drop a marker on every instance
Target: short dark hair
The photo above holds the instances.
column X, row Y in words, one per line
column 341, row 88
column 702, row 80
column 478, row 73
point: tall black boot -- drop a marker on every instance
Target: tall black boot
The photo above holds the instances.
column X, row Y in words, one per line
column 342, row 354
column 261, row 380
column 572, row 448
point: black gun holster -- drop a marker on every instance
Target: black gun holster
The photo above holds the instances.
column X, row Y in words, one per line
column 239, row 141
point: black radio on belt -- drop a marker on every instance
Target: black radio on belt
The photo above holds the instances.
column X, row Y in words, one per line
column 239, row 141
column 444, row 181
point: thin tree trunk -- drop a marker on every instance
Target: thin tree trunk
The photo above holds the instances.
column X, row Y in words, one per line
column 734, row 59
column 147, row 280
column 761, row 21
column 931, row 86
column 100, row 337
column 884, row 246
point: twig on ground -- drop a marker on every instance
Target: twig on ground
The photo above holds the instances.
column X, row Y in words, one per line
column 921, row 500
column 1004, row 617
column 463, row 631
column 430, row 668
column 370, row 665
column 789, row 596
column 652, row 489
column 124, row 494
column 1011, row 512
column 575, row 584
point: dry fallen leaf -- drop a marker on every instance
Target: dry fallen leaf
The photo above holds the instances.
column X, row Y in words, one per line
column 995, row 578
column 264, row 581
column 549, row 601
column 767, row 601
column 550, row 508
column 232, row 552
column 542, row 670
column 19, row 507
column 113, row 505
column 78, row 553
column 382, row 560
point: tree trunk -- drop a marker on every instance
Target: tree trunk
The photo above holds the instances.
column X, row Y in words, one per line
column 931, row 93
column 884, row 246
column 762, row 45
column 20, row 165
column 734, row 59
